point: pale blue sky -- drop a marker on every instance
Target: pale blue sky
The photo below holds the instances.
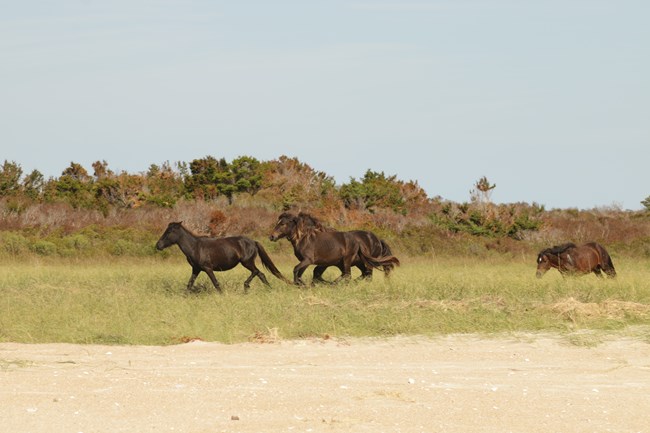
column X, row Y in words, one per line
column 548, row 99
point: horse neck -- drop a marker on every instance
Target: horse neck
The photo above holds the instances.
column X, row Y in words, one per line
column 299, row 243
column 555, row 260
column 187, row 242
column 295, row 242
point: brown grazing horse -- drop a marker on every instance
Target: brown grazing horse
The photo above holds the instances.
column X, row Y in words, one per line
column 314, row 245
column 218, row 254
column 571, row 259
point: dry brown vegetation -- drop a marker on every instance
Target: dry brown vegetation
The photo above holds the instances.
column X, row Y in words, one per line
column 91, row 212
column 626, row 233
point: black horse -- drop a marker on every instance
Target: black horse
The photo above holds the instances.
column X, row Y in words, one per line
column 218, row 254
column 312, row 244
column 571, row 259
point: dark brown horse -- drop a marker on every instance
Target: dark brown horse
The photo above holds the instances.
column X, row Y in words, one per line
column 314, row 246
column 375, row 246
column 218, row 254
column 571, row 259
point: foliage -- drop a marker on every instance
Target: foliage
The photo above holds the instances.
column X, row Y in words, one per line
column 246, row 174
column 376, row 190
column 33, row 185
column 74, row 186
column 210, row 177
column 482, row 191
column 646, row 203
column 489, row 220
column 163, row 186
column 214, row 196
column 294, row 184
column 10, row 174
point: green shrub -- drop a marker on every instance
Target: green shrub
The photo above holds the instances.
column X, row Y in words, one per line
column 77, row 242
column 14, row 243
column 43, row 248
column 123, row 247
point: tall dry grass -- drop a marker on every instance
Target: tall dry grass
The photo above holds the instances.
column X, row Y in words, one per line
column 143, row 301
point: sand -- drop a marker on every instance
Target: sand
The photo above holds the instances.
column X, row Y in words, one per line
column 518, row 383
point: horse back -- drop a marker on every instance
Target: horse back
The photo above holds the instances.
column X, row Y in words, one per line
column 370, row 241
column 327, row 248
column 588, row 257
column 604, row 259
column 225, row 253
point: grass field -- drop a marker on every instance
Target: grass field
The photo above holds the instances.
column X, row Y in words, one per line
column 143, row 301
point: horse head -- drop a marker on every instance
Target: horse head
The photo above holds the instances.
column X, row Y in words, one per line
column 171, row 235
column 543, row 263
column 286, row 227
column 550, row 258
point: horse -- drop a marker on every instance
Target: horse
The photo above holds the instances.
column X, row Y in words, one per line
column 571, row 259
column 208, row 254
column 375, row 246
column 313, row 244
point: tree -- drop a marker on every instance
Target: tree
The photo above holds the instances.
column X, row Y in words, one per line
column 292, row 183
column 247, row 174
column 211, row 177
column 10, row 174
column 163, row 186
column 482, row 191
column 33, row 185
column 646, row 203
column 101, row 170
column 75, row 186
column 374, row 190
column 201, row 182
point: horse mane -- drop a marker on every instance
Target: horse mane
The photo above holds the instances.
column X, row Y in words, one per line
column 312, row 224
column 190, row 231
column 558, row 249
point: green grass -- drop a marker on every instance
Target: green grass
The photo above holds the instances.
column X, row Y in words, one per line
column 143, row 301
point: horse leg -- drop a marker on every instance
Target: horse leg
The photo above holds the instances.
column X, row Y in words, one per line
column 255, row 272
column 210, row 273
column 597, row 271
column 346, row 271
column 298, row 271
column 190, row 284
column 318, row 275
column 366, row 272
column 340, row 277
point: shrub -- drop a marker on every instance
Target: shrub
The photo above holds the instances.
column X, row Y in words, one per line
column 43, row 248
column 123, row 247
column 14, row 243
column 77, row 242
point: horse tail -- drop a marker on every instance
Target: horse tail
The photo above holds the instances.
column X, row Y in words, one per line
column 377, row 262
column 268, row 263
column 385, row 249
column 606, row 261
